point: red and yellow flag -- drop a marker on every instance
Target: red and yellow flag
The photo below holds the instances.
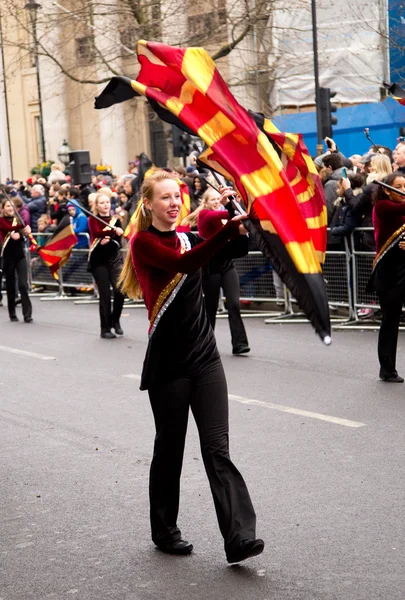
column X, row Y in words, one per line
column 56, row 251
column 186, row 82
column 398, row 93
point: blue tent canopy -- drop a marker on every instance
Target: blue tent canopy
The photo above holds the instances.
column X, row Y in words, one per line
column 383, row 119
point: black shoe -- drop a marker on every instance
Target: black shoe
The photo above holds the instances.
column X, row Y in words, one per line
column 18, row 301
column 394, row 378
column 28, row 319
column 117, row 328
column 107, row 335
column 247, row 549
column 241, row 350
column 13, row 318
column 179, row 547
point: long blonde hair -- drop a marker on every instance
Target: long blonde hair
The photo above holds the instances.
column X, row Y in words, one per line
column 94, row 208
column 192, row 218
column 128, row 280
column 381, row 167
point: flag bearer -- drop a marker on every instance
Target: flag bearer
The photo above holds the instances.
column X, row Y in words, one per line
column 183, row 369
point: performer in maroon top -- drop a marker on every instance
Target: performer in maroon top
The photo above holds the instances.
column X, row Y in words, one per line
column 183, row 370
column 105, row 265
column 388, row 277
column 221, row 274
column 14, row 261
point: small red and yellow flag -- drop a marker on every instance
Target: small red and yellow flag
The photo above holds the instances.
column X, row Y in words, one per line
column 56, row 251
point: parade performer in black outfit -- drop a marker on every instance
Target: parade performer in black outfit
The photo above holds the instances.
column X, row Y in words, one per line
column 105, row 265
column 12, row 230
column 221, row 273
column 388, row 277
column 182, row 368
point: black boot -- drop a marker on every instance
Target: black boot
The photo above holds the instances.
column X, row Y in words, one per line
column 117, row 328
column 13, row 318
column 107, row 334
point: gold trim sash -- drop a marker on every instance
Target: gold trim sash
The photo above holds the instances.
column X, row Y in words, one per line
column 168, row 294
column 389, row 244
column 96, row 241
column 8, row 236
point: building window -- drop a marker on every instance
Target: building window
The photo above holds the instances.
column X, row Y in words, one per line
column 85, row 49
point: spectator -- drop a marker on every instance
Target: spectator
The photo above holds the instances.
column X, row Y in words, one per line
column 58, row 208
column 380, row 167
column 344, row 220
column 36, row 205
column 399, row 158
column 79, row 223
column 22, row 210
column 331, row 174
column 56, row 174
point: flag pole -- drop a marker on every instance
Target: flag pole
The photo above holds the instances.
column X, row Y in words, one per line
column 389, row 187
column 90, row 214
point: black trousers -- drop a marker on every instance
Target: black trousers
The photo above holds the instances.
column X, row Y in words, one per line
column 106, row 275
column 229, row 281
column 207, row 396
column 11, row 266
column 391, row 302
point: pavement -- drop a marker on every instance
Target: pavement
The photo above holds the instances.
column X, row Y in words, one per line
column 318, row 438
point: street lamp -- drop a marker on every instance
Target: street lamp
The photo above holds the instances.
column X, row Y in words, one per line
column 33, row 8
column 63, row 153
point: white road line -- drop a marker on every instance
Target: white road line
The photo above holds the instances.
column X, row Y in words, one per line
column 298, row 411
column 286, row 409
column 26, row 353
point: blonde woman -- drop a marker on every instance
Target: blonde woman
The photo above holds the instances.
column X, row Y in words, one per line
column 183, row 369
column 221, row 274
column 105, row 264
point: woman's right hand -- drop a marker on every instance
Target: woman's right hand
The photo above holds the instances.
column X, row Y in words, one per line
column 105, row 240
column 242, row 230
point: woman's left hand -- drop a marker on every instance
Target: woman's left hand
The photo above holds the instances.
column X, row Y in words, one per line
column 119, row 231
column 27, row 230
column 226, row 194
column 402, row 245
column 15, row 236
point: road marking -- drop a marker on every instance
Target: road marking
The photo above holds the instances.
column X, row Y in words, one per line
column 26, row 353
column 298, row 411
column 281, row 408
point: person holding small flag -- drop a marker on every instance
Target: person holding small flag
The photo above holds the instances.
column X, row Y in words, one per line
column 12, row 230
column 104, row 264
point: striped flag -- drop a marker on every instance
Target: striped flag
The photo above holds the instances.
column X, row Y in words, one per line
column 397, row 92
column 187, row 84
column 56, row 251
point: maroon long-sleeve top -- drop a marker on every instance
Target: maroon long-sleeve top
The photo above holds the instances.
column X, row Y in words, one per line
column 211, row 221
column 6, row 226
column 181, row 339
column 388, row 217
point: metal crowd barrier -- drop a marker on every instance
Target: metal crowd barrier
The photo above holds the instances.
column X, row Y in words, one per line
column 346, row 273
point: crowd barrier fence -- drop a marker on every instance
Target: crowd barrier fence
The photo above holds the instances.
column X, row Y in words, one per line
column 346, row 273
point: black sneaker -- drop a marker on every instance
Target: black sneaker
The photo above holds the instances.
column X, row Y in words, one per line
column 117, row 328
column 107, row 335
column 180, row 547
column 394, row 378
column 241, row 350
column 28, row 319
column 13, row 318
column 246, row 549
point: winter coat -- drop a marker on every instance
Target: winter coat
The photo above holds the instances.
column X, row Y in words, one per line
column 330, row 191
column 37, row 207
column 80, row 225
column 344, row 221
column 25, row 214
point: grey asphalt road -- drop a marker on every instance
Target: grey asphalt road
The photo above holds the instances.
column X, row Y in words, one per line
column 318, row 438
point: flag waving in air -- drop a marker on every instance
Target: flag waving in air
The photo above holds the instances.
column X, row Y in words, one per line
column 397, row 92
column 56, row 251
column 187, row 83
